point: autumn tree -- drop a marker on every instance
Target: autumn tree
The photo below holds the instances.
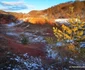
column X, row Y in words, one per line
column 70, row 35
column 72, row 32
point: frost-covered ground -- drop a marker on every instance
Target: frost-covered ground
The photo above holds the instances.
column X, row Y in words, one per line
column 26, row 62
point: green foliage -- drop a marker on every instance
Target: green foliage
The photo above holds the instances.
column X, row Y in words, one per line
column 24, row 40
column 82, row 52
column 50, row 40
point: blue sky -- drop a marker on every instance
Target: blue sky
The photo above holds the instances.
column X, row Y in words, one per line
column 26, row 6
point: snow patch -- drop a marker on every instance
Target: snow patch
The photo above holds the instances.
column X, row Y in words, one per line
column 51, row 53
column 37, row 39
column 82, row 44
column 62, row 21
column 12, row 34
column 11, row 24
column 59, row 44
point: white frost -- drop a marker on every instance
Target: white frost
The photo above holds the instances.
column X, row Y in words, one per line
column 62, row 21
column 11, row 24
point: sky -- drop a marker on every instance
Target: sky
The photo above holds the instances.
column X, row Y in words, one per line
column 25, row 6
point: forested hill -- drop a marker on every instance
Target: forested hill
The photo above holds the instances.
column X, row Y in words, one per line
column 61, row 10
column 52, row 13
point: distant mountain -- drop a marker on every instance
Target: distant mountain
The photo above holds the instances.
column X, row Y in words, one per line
column 2, row 12
column 7, row 17
column 52, row 13
column 61, row 10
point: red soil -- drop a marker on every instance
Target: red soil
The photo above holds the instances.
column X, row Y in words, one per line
column 31, row 49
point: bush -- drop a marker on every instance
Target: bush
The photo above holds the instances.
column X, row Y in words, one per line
column 24, row 40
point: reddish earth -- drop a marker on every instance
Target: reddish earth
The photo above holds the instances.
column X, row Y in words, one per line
column 31, row 49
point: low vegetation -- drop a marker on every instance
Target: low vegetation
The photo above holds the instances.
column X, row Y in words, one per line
column 71, row 36
column 48, row 50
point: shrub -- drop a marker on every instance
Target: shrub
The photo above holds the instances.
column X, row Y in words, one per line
column 74, row 31
column 24, row 40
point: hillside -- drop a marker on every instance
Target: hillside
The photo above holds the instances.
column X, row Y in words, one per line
column 62, row 10
column 27, row 42
column 6, row 18
column 52, row 13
